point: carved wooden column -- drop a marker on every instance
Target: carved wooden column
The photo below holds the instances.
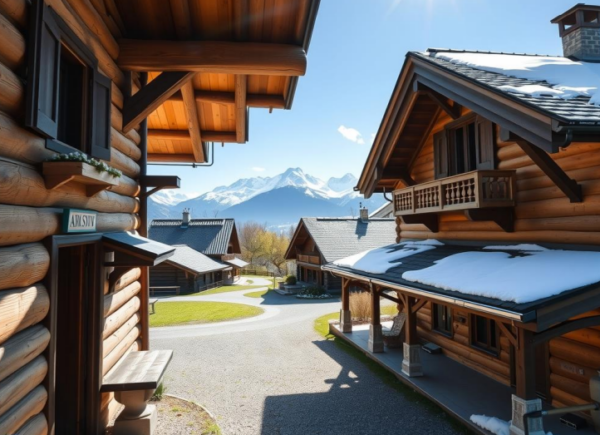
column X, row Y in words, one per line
column 411, row 362
column 375, row 332
column 345, row 314
column 525, row 400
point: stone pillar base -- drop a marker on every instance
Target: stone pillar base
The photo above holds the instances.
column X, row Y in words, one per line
column 411, row 363
column 375, row 339
column 142, row 425
column 520, row 407
column 345, row 321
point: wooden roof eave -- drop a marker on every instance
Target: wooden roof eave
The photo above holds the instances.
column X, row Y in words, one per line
column 290, row 254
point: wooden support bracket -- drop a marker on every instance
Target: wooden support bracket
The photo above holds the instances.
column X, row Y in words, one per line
column 150, row 97
column 508, row 333
column 454, row 110
column 418, row 305
column 504, row 217
column 542, row 159
column 430, row 220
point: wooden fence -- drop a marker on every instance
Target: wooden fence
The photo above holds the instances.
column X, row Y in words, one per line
column 256, row 272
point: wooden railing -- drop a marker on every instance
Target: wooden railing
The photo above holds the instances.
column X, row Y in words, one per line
column 256, row 272
column 476, row 189
column 311, row 259
column 210, row 286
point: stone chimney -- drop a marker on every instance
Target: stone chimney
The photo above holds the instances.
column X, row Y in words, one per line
column 364, row 214
column 186, row 217
column 579, row 29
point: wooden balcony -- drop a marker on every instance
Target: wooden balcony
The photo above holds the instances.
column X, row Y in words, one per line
column 310, row 259
column 481, row 194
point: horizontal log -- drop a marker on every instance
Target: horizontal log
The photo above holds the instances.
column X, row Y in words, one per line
column 568, row 163
column 587, row 336
column 97, row 26
column 12, row 93
column 116, row 122
column 12, row 49
column 23, row 265
column 119, row 317
column 572, row 351
column 20, row 383
column 21, row 308
column 29, row 224
column 589, row 187
column 124, row 163
column 117, row 353
column 124, row 145
column 114, row 301
column 580, row 390
column 16, row 11
column 505, row 380
column 566, row 398
column 29, row 406
column 583, row 174
column 212, row 57
column 558, row 207
column 571, row 370
column 36, row 425
column 23, row 185
column 573, row 237
column 509, row 151
column 119, row 335
column 22, row 348
column 207, row 136
column 128, row 278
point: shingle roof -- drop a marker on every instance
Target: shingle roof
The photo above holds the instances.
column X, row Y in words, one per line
column 339, row 237
column 192, row 260
column 237, row 262
column 208, row 236
column 574, row 110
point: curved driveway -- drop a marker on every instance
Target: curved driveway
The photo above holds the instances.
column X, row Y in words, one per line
column 274, row 375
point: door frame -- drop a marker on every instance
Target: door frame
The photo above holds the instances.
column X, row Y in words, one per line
column 95, row 326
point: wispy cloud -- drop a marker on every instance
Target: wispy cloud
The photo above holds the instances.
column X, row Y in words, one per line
column 351, row 134
column 258, row 169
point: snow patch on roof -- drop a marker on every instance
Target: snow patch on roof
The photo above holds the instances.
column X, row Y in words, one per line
column 380, row 260
column 524, row 277
column 566, row 78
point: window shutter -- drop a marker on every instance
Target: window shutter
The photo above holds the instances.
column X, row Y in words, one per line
column 101, row 105
column 486, row 144
column 43, row 72
column 440, row 154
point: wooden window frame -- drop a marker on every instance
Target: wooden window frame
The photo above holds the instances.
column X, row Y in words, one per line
column 434, row 327
column 484, row 347
column 96, row 117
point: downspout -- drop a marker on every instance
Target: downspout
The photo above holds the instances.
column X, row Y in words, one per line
column 143, row 230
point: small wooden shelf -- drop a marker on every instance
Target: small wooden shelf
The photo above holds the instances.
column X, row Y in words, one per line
column 57, row 174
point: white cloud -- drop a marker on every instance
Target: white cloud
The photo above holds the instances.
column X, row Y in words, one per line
column 258, row 169
column 351, row 134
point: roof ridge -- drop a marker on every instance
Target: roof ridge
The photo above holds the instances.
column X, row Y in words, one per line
column 453, row 50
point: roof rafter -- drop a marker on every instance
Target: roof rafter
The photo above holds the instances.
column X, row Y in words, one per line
column 191, row 111
column 241, row 112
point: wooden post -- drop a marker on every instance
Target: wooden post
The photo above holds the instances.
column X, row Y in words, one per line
column 375, row 332
column 525, row 400
column 345, row 314
column 411, row 362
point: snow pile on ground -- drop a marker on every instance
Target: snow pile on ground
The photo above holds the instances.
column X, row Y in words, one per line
column 380, row 260
column 519, row 277
column 493, row 424
column 568, row 78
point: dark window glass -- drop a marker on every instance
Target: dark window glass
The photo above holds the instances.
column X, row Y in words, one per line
column 471, row 148
column 442, row 319
column 71, row 101
column 484, row 334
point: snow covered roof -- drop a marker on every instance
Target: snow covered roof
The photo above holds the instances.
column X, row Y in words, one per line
column 567, row 90
column 512, row 278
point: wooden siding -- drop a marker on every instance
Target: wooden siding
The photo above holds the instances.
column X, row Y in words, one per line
column 169, row 275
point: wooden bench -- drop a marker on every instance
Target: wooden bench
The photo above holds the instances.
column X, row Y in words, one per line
column 151, row 302
column 134, row 380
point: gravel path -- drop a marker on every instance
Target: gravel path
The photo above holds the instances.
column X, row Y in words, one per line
column 274, row 375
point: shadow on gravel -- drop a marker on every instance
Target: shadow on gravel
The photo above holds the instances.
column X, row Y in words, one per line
column 274, row 298
column 356, row 403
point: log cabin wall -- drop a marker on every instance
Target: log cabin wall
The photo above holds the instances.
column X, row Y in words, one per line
column 29, row 213
column 543, row 215
column 168, row 275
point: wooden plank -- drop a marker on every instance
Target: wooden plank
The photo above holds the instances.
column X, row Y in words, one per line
column 141, row 370
column 148, row 99
column 189, row 102
column 240, row 108
column 180, row 10
column 209, row 56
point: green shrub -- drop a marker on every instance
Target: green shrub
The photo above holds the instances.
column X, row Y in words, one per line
column 158, row 393
column 291, row 280
column 313, row 290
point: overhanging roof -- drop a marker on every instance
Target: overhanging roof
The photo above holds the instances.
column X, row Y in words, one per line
column 137, row 249
column 195, row 262
column 237, row 262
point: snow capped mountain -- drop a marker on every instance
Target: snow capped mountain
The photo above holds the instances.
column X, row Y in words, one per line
column 262, row 198
column 171, row 197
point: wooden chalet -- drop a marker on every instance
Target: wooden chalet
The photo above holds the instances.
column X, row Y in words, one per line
column 125, row 83
column 482, row 154
column 215, row 239
column 318, row 241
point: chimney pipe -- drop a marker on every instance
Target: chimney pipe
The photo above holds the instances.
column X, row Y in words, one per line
column 364, row 213
column 186, row 217
column 579, row 28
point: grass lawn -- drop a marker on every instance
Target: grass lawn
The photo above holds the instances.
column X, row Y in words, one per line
column 187, row 313
column 322, row 327
column 226, row 289
column 258, row 294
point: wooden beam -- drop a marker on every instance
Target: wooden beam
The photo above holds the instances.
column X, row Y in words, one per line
column 508, row 333
column 164, row 181
column 345, row 294
column 375, row 307
column 504, row 217
column 207, row 136
column 180, row 10
column 150, row 97
column 525, row 365
column 240, row 19
column 262, row 101
column 213, row 57
column 418, row 305
column 171, row 158
column 240, row 108
column 191, row 111
column 430, row 220
column 390, row 298
column 454, row 111
column 566, row 327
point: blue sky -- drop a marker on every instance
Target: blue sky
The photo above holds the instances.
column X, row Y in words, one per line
column 357, row 50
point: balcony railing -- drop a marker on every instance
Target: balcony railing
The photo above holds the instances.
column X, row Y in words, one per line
column 472, row 190
column 311, row 259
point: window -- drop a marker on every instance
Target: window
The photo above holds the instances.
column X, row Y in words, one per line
column 68, row 100
column 442, row 319
column 484, row 334
column 465, row 145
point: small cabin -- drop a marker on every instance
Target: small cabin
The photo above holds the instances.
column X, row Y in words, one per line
column 318, row 241
column 493, row 164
